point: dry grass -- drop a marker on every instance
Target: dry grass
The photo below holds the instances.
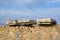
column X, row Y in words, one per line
column 30, row 33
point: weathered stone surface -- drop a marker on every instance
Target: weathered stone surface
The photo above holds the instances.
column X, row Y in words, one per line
column 30, row 33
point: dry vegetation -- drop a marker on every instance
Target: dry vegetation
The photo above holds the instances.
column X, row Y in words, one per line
column 30, row 33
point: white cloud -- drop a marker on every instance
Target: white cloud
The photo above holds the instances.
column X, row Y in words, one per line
column 18, row 2
column 36, row 11
column 15, row 12
column 29, row 2
column 54, row 1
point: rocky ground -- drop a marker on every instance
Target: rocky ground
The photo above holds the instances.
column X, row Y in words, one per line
column 30, row 33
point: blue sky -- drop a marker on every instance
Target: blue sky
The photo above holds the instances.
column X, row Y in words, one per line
column 32, row 9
